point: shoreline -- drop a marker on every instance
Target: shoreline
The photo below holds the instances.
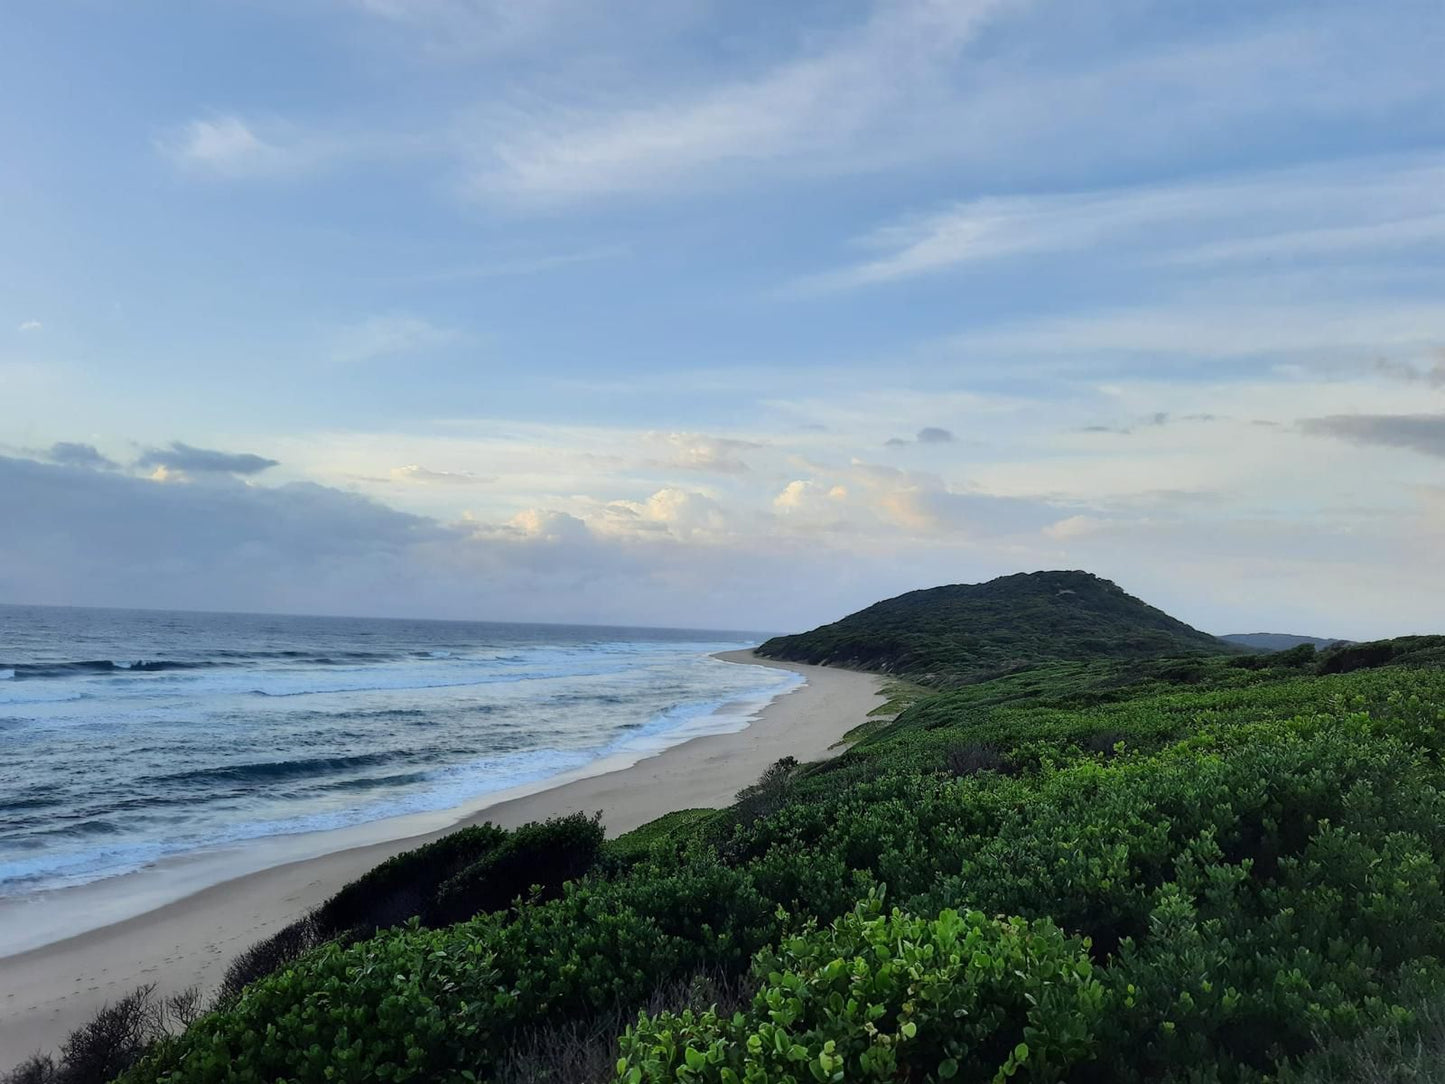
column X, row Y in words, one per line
column 47, row 991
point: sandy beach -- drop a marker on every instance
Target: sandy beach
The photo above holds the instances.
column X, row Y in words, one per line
column 48, row 991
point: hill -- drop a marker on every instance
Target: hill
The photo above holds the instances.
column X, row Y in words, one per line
column 967, row 632
column 1277, row 641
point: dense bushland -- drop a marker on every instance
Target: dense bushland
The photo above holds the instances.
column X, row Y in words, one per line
column 1132, row 871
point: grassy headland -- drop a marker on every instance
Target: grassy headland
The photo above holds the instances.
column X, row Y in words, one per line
column 1101, row 867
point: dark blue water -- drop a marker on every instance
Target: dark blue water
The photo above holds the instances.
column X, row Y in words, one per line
column 127, row 736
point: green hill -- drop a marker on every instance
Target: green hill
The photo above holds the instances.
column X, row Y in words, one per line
column 965, row 632
column 1278, row 641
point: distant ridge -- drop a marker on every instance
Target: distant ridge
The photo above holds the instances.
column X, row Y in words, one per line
column 1278, row 641
column 966, row 632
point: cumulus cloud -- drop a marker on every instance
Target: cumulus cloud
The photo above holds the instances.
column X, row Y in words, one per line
column 869, row 498
column 680, row 513
column 72, row 454
column 695, row 451
column 1418, row 432
column 189, row 460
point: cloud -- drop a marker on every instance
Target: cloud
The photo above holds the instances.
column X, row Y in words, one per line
column 70, row 454
column 682, row 514
column 1423, row 433
column 929, row 434
column 228, row 146
column 1371, row 204
column 31, row 325
column 698, row 452
column 423, row 476
column 189, row 460
column 1223, row 323
column 1432, row 375
column 832, row 98
column 383, row 336
column 877, row 500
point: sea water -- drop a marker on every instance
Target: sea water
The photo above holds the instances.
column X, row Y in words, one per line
column 127, row 737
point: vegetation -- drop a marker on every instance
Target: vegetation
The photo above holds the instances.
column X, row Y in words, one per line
column 1219, row 868
column 968, row 632
column 1276, row 641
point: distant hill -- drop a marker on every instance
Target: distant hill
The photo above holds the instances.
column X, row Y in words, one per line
column 1277, row 641
column 965, row 632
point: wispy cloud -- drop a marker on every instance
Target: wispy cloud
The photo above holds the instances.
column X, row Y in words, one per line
column 423, row 476
column 1281, row 214
column 388, row 335
column 1216, row 325
column 229, row 146
column 31, row 325
column 817, row 104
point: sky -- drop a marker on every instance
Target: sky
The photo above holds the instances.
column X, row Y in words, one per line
column 723, row 313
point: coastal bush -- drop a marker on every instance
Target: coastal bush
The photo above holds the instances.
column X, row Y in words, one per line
column 890, row 997
column 268, row 955
column 404, row 886
column 113, row 1040
column 536, row 859
column 671, row 831
column 768, row 793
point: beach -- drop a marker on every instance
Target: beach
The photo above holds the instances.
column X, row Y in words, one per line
column 48, row 991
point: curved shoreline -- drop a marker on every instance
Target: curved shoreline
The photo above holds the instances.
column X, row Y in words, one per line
column 47, row 991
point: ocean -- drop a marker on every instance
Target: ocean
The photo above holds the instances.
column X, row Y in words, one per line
column 127, row 737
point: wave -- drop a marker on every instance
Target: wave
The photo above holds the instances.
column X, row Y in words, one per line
column 282, row 769
column 221, row 660
column 22, row 671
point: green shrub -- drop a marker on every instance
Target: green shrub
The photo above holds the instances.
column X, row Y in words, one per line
column 885, row 998
column 406, row 885
column 671, row 831
column 540, row 855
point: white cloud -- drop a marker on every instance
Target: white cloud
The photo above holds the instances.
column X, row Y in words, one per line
column 229, row 146
column 1225, row 324
column 31, row 325
column 682, row 514
column 423, row 476
column 813, row 105
column 698, row 452
column 1367, row 205
column 387, row 335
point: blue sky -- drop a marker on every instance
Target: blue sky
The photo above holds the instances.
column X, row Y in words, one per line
column 711, row 313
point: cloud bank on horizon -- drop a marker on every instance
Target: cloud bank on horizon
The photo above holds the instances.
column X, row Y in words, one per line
column 725, row 314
